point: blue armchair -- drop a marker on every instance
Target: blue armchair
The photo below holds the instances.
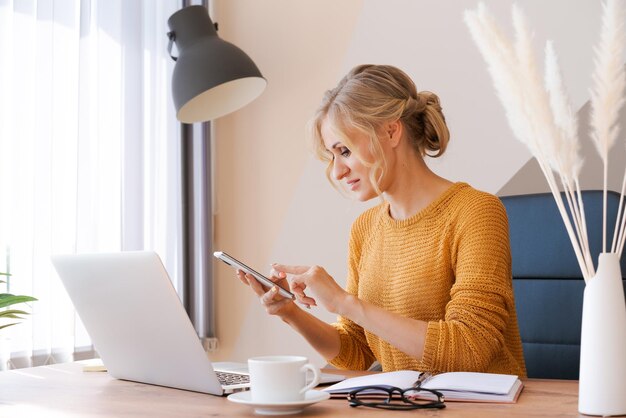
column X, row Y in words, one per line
column 547, row 281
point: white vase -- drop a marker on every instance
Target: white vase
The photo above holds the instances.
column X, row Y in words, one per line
column 602, row 388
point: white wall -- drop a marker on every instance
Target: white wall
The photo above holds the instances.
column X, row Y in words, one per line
column 272, row 199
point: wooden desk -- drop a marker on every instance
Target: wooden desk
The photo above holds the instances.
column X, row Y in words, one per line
column 64, row 390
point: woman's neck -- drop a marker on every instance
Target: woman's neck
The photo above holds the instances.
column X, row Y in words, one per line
column 413, row 188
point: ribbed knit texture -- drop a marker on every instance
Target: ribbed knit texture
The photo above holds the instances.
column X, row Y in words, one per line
column 449, row 265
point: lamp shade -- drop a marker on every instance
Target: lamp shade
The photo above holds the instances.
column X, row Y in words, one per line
column 211, row 77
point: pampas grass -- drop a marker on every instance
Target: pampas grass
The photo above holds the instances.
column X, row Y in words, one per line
column 569, row 161
column 541, row 115
column 607, row 94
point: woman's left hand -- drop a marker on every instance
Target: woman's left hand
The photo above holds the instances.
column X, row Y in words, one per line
column 321, row 287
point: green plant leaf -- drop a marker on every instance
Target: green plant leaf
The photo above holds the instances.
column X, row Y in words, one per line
column 11, row 316
column 6, row 313
column 7, row 299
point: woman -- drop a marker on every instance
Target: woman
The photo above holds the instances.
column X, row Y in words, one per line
column 429, row 285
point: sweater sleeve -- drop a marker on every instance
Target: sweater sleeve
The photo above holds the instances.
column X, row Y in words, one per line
column 355, row 353
column 472, row 331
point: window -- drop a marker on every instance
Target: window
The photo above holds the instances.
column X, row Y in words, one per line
column 89, row 157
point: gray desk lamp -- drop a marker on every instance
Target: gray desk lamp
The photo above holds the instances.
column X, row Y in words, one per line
column 211, row 78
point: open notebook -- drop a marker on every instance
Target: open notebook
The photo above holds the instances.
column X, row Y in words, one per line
column 455, row 386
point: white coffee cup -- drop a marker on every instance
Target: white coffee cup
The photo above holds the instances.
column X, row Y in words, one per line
column 280, row 378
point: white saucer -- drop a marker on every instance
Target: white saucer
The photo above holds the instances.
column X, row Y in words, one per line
column 279, row 408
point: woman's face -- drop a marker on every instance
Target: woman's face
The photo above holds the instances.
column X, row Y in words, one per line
column 347, row 167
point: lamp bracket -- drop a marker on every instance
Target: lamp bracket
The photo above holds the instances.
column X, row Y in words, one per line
column 172, row 37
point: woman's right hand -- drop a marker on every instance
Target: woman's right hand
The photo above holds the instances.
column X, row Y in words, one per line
column 274, row 303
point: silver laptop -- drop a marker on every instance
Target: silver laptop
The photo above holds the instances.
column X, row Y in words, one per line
column 138, row 324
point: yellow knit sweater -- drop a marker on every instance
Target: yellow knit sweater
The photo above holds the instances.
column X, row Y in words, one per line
column 449, row 265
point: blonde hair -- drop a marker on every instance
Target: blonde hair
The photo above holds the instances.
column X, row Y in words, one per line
column 370, row 96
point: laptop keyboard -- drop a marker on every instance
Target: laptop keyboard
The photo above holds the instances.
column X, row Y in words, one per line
column 227, row 379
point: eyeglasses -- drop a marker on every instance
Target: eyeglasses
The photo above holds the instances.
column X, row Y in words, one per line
column 393, row 398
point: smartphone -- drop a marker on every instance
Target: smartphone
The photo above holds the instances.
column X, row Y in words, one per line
column 238, row 265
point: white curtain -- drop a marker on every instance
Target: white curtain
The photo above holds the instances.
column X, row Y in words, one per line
column 89, row 154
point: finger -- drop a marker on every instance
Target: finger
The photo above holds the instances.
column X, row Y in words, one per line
column 276, row 275
column 297, row 288
column 297, row 282
column 290, row 269
column 241, row 276
column 255, row 285
column 270, row 296
column 306, row 300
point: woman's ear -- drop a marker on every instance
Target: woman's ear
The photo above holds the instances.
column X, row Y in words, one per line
column 393, row 132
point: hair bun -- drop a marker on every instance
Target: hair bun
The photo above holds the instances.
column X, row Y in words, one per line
column 416, row 105
column 430, row 98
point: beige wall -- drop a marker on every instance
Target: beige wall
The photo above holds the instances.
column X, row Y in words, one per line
column 272, row 202
column 259, row 153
